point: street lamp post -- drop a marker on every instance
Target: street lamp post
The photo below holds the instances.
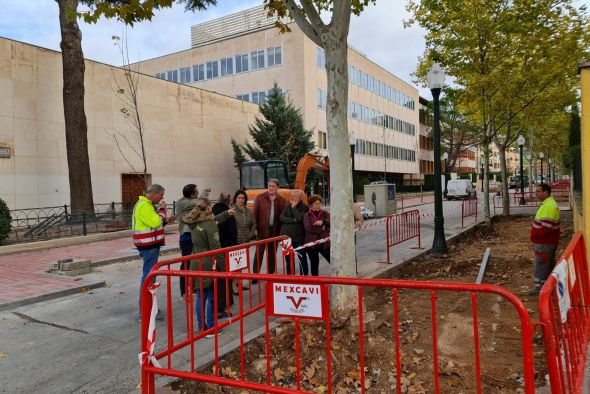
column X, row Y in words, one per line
column 352, row 141
column 521, row 145
column 541, row 156
column 436, row 79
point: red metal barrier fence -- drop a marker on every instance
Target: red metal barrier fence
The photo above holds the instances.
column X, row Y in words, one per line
column 564, row 308
column 468, row 208
column 401, row 227
column 302, row 298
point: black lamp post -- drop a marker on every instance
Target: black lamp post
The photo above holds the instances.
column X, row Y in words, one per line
column 436, row 79
column 541, row 156
column 521, row 145
column 352, row 141
column 481, row 177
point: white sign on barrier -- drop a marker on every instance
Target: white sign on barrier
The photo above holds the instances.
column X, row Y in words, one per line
column 238, row 259
column 296, row 299
column 572, row 271
column 561, row 273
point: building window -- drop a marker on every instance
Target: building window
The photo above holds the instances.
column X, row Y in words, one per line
column 227, row 66
column 198, row 72
column 321, row 98
column 322, row 140
column 320, row 58
column 172, row 75
column 257, row 60
column 212, row 69
column 274, row 56
column 258, row 97
column 241, row 63
column 185, row 75
column 243, row 97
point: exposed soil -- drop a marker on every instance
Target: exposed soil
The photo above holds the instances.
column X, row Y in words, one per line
column 511, row 266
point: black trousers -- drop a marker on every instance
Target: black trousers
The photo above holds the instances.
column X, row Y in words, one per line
column 313, row 254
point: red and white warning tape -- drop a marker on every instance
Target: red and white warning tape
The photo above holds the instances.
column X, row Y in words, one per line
column 148, row 356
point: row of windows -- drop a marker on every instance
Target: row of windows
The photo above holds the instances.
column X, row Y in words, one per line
column 426, row 143
column 370, row 115
column 255, row 97
column 367, row 82
column 252, row 61
column 376, row 149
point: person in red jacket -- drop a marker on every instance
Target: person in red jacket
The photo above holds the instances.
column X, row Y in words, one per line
column 267, row 212
column 317, row 226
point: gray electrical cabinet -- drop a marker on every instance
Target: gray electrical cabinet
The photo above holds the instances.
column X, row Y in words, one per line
column 380, row 198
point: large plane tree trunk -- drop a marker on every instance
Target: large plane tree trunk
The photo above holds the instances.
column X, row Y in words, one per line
column 73, row 101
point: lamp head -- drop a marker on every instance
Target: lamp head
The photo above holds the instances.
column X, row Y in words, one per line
column 541, row 156
column 520, row 140
column 352, row 139
column 435, row 77
column 445, row 156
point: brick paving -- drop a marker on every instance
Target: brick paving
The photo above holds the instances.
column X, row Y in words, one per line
column 24, row 275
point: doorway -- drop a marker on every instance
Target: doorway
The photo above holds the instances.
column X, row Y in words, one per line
column 132, row 186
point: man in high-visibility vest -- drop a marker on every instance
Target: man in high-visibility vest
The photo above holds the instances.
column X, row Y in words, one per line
column 148, row 228
column 545, row 233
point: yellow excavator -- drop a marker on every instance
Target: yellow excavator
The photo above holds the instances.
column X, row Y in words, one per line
column 254, row 175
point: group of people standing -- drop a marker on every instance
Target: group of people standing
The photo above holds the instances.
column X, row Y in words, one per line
column 229, row 222
column 204, row 226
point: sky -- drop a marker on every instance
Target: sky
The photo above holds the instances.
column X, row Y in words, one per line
column 378, row 32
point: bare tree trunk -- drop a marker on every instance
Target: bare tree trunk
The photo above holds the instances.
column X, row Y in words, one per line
column 73, row 101
column 342, row 227
column 505, row 190
column 486, row 183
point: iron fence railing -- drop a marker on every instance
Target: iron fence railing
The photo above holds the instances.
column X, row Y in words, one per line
column 36, row 224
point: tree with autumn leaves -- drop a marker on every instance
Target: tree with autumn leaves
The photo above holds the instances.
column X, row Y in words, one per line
column 510, row 58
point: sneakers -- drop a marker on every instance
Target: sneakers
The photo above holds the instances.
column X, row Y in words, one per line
column 212, row 335
column 222, row 316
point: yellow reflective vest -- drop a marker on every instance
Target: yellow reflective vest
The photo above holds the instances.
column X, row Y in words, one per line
column 546, row 225
column 147, row 223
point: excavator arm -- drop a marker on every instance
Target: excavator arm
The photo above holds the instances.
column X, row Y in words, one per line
column 308, row 162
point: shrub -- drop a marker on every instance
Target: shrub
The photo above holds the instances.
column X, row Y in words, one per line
column 5, row 221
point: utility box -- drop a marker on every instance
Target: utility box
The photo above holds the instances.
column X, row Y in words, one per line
column 380, row 198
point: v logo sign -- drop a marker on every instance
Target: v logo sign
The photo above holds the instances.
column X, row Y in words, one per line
column 297, row 303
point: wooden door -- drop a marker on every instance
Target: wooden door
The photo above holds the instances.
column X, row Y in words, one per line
column 132, row 186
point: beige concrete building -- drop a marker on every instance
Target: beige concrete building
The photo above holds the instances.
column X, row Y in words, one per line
column 187, row 132
column 243, row 55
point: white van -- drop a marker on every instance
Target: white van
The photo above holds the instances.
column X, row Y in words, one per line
column 460, row 188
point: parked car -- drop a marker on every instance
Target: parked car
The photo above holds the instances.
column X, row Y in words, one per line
column 460, row 188
column 367, row 213
column 515, row 181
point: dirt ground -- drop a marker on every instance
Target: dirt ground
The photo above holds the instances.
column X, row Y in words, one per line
column 510, row 266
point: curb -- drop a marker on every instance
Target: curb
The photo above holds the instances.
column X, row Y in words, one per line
column 122, row 259
column 49, row 296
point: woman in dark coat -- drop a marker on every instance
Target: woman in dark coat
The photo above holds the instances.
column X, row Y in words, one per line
column 317, row 226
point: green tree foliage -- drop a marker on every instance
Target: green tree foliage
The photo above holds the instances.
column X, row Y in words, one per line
column 277, row 135
column 574, row 139
column 133, row 11
column 239, row 157
column 506, row 56
column 5, row 221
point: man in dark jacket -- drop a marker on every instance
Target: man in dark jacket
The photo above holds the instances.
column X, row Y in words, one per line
column 292, row 226
column 228, row 236
column 268, row 207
